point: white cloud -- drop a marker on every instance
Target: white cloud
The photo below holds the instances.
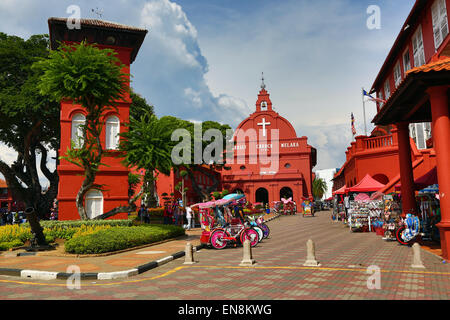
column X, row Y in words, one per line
column 172, row 68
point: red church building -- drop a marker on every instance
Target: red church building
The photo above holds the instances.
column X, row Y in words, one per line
column 270, row 162
column 126, row 41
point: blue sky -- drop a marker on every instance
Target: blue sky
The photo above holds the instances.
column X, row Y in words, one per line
column 202, row 59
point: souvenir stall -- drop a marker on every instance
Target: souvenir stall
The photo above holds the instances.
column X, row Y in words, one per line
column 391, row 217
column 338, row 208
column 364, row 213
column 429, row 212
column 363, row 209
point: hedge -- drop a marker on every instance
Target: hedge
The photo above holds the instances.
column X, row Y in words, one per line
column 50, row 224
column 119, row 238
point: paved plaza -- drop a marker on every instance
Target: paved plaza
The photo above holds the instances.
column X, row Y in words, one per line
column 278, row 275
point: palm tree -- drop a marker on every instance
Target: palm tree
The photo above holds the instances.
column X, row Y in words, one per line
column 319, row 188
column 148, row 146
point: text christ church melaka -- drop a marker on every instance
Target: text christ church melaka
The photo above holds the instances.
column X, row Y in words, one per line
column 255, row 177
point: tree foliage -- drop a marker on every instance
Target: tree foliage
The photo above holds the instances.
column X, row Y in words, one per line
column 319, row 188
column 29, row 122
column 93, row 78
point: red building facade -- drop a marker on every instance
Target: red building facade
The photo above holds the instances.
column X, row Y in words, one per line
column 270, row 162
column 415, row 81
column 420, row 94
column 126, row 41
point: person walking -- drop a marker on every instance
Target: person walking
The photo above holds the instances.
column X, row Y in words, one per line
column 141, row 213
column 189, row 217
column 146, row 215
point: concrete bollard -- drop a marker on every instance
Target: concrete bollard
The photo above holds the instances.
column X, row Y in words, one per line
column 417, row 260
column 311, row 255
column 189, row 254
column 248, row 258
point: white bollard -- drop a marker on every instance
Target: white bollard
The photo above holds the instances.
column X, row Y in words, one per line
column 311, row 255
column 248, row 258
column 189, row 254
column 417, row 260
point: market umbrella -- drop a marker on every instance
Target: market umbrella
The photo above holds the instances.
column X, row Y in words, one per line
column 362, row 197
column 377, row 196
column 234, row 196
column 223, row 202
column 340, row 191
column 431, row 189
column 209, row 204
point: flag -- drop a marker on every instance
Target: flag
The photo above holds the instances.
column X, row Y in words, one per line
column 353, row 125
column 372, row 98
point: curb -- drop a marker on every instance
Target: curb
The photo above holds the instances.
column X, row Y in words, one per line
column 50, row 275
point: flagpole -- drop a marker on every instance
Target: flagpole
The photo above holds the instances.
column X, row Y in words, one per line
column 364, row 111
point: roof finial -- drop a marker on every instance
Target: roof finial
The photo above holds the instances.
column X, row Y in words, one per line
column 263, row 86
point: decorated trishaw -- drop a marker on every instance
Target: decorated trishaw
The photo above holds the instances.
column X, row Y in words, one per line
column 222, row 228
column 308, row 209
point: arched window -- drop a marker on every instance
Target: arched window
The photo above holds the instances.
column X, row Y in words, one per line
column 112, row 133
column 94, row 203
column 78, row 121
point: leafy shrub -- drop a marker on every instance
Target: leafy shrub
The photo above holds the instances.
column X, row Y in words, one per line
column 50, row 224
column 10, row 244
column 119, row 238
column 11, row 233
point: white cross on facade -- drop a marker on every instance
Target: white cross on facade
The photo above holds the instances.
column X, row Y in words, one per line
column 263, row 124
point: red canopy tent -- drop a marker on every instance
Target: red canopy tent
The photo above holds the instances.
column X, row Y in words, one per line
column 368, row 184
column 340, row 191
column 426, row 180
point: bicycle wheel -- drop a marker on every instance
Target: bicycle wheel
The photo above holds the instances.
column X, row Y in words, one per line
column 398, row 236
column 260, row 233
column 251, row 235
column 266, row 230
column 217, row 241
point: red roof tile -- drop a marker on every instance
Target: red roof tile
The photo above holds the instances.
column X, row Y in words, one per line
column 101, row 23
column 443, row 64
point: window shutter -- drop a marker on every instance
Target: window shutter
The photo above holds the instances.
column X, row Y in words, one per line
column 108, row 135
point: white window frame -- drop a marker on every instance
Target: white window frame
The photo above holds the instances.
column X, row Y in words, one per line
column 380, row 96
column 397, row 74
column 112, row 143
column 440, row 22
column 406, row 64
column 418, row 48
column 94, row 197
column 78, row 120
column 387, row 90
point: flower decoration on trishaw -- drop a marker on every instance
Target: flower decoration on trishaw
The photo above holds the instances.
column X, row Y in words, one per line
column 225, row 223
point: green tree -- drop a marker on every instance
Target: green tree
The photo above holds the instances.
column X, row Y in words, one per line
column 319, row 188
column 29, row 123
column 93, row 78
column 148, row 146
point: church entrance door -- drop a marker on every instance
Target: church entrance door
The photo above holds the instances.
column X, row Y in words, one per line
column 262, row 196
column 286, row 193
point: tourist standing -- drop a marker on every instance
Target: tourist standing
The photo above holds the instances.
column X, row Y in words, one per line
column 146, row 215
column 189, row 217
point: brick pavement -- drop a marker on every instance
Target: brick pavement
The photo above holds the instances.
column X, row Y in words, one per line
column 278, row 275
